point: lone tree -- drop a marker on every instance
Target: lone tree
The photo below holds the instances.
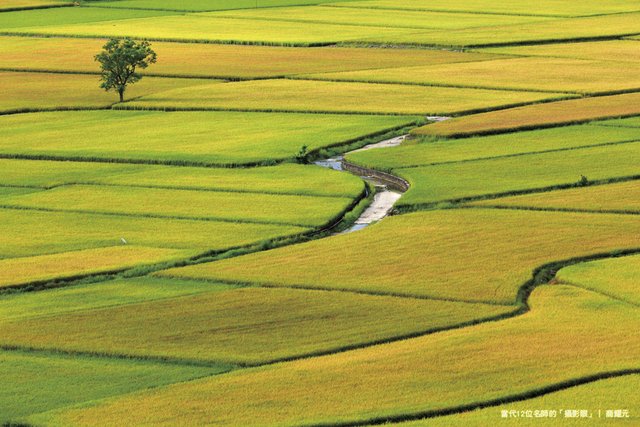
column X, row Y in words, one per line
column 119, row 60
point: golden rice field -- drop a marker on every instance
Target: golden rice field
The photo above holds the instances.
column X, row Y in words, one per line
column 216, row 60
column 463, row 254
column 336, row 97
column 321, row 213
column 535, row 116
column 621, row 197
column 245, row 326
column 561, row 75
column 427, row 374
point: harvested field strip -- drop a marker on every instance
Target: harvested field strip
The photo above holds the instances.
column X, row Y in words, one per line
column 53, row 381
column 224, row 61
column 303, row 211
column 494, row 252
column 378, row 18
column 507, row 176
column 619, row 197
column 615, row 391
column 418, row 382
column 321, row 96
column 114, row 293
column 614, row 50
column 23, row 91
column 29, row 233
column 44, row 268
column 209, row 29
column 606, row 27
column 242, row 326
column 510, row 7
column 537, row 116
column 426, row 152
column 286, row 179
column 560, row 75
column 616, row 277
column 201, row 138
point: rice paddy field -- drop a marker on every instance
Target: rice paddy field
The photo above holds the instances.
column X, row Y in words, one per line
column 321, row 213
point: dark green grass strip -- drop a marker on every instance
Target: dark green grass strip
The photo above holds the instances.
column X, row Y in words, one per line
column 550, row 209
column 46, row 6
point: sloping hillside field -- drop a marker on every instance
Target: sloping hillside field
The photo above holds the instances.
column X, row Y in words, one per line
column 321, row 213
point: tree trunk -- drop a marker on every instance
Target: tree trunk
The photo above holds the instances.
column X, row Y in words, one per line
column 121, row 93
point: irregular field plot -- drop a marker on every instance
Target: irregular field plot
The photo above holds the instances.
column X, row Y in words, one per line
column 610, row 50
column 321, row 96
column 444, row 370
column 281, row 179
column 210, row 29
column 556, row 30
column 548, row 74
column 29, row 233
column 617, row 277
column 196, row 5
column 377, row 17
column 20, row 271
column 116, row 293
column 532, row 116
column 203, row 138
column 10, row 21
column 468, row 254
column 457, row 150
column 622, row 197
column 210, row 205
column 35, row 383
column 39, row 91
column 516, row 7
column 609, row 393
column 484, row 178
column 241, row 326
column 26, row 4
column 207, row 60
column 633, row 122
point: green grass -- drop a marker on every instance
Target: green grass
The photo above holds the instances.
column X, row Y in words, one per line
column 43, row 268
column 246, row 326
column 569, row 334
column 467, row 254
column 455, row 181
column 116, row 293
column 68, row 15
column 558, row 30
column 597, row 397
column 537, row 116
column 378, row 18
column 544, row 74
column 633, row 122
column 322, row 96
column 24, row 91
column 205, row 28
column 200, row 5
column 303, row 211
column 510, row 7
column 203, row 138
column 34, row 383
column 426, row 152
column 287, row 178
column 29, row 4
column 617, row 277
column 214, row 60
column 621, row 197
column 610, row 50
column 29, row 233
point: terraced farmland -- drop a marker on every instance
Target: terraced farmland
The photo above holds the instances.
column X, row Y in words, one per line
column 327, row 213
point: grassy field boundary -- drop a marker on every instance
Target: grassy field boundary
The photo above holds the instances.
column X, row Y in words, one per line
column 44, row 6
column 186, row 40
column 546, row 209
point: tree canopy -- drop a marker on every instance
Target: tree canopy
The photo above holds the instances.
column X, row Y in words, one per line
column 119, row 60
